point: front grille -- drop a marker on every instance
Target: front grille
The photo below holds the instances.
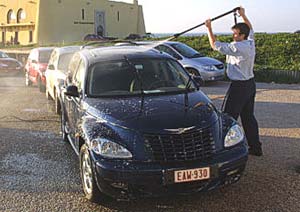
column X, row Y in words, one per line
column 220, row 66
column 195, row 145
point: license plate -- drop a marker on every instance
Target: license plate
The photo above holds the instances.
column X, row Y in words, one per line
column 192, row 175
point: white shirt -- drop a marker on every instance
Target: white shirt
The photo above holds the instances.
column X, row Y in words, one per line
column 240, row 57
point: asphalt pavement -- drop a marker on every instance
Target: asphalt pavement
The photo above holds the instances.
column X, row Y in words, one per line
column 39, row 172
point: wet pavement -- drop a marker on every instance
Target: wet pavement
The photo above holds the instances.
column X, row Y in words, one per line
column 39, row 172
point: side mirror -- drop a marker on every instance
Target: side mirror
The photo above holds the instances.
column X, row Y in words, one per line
column 199, row 80
column 51, row 67
column 72, row 90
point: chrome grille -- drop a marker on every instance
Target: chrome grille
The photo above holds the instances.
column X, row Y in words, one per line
column 195, row 145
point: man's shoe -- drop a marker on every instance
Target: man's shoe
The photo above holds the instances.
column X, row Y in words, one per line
column 255, row 151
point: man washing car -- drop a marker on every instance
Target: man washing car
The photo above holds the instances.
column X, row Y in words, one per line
column 241, row 94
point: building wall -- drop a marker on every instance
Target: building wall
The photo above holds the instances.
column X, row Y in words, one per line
column 30, row 8
column 64, row 21
column 58, row 21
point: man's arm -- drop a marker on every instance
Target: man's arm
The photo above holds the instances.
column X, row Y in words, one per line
column 211, row 36
column 243, row 15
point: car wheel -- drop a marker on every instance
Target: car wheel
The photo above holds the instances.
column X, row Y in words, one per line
column 90, row 188
column 42, row 87
column 27, row 80
column 193, row 72
column 64, row 127
column 48, row 95
column 57, row 105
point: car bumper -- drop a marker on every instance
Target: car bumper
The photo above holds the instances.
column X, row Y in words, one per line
column 10, row 72
column 212, row 75
column 130, row 180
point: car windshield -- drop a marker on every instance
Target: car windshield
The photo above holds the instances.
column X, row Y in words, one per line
column 3, row 55
column 139, row 76
column 44, row 56
column 186, row 51
column 64, row 61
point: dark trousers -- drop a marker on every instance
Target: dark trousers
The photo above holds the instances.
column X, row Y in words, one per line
column 240, row 102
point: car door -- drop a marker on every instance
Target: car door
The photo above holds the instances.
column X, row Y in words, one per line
column 67, row 100
column 75, row 111
column 51, row 73
column 32, row 62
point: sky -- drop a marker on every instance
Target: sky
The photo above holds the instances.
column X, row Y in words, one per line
column 172, row 16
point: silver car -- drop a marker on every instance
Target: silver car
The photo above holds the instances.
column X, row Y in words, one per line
column 195, row 63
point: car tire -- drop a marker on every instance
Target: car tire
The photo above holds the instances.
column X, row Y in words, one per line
column 48, row 95
column 63, row 127
column 42, row 87
column 57, row 105
column 194, row 72
column 27, row 80
column 89, row 185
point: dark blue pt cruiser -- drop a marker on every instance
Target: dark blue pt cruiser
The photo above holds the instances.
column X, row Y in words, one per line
column 142, row 127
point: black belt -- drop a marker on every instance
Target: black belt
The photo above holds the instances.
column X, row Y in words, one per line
column 242, row 82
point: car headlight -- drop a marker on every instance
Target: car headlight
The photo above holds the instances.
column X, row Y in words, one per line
column 207, row 67
column 234, row 136
column 109, row 149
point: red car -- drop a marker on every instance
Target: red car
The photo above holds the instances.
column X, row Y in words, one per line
column 9, row 66
column 36, row 66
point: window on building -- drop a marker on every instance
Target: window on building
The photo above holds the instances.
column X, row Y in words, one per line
column 10, row 16
column 20, row 15
column 82, row 14
column 118, row 15
column 30, row 36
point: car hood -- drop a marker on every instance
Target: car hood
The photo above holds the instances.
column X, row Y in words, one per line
column 155, row 114
column 201, row 61
column 10, row 62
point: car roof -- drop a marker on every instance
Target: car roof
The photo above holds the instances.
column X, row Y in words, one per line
column 120, row 52
column 44, row 48
column 67, row 49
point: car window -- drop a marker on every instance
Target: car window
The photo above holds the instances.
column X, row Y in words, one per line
column 79, row 76
column 53, row 58
column 33, row 55
column 186, row 51
column 64, row 61
column 3, row 55
column 44, row 56
column 72, row 68
column 147, row 75
column 169, row 51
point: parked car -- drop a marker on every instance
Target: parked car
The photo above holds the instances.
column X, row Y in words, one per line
column 9, row 66
column 196, row 63
column 36, row 66
column 209, row 69
column 93, row 37
column 56, row 73
column 141, row 126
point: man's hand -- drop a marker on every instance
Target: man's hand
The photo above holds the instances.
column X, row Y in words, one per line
column 208, row 23
column 241, row 11
column 212, row 38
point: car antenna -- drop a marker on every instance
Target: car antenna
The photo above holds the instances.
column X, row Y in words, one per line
column 140, row 79
column 213, row 19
